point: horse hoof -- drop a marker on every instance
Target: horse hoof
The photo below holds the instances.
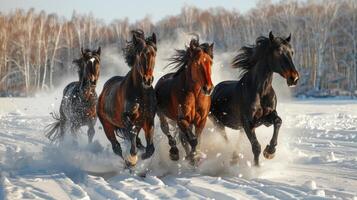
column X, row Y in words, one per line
column 269, row 152
column 194, row 159
column 148, row 153
column 174, row 154
column 132, row 160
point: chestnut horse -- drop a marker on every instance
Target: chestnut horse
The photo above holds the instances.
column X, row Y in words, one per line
column 251, row 101
column 78, row 106
column 184, row 96
column 127, row 103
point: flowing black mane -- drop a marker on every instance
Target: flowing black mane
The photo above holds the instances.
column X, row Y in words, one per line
column 181, row 57
column 248, row 56
column 251, row 54
column 131, row 50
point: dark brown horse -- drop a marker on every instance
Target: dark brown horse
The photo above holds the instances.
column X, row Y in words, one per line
column 251, row 101
column 127, row 103
column 78, row 106
column 184, row 96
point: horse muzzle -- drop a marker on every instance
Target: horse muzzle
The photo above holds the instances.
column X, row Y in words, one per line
column 207, row 91
column 147, row 82
column 93, row 83
column 292, row 80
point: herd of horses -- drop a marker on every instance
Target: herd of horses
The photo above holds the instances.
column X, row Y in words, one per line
column 185, row 98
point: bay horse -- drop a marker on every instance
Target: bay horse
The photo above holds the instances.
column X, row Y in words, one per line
column 184, row 97
column 78, row 105
column 127, row 104
column 251, row 101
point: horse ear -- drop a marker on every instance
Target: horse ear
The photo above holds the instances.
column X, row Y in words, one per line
column 193, row 44
column 153, row 38
column 288, row 38
column 82, row 52
column 210, row 49
column 271, row 36
column 99, row 50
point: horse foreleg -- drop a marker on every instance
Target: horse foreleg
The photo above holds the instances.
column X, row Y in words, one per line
column 186, row 129
column 185, row 144
column 132, row 159
column 250, row 132
column 139, row 144
column 149, row 136
column 164, row 125
column 195, row 151
column 269, row 151
column 109, row 130
column 130, row 114
column 91, row 130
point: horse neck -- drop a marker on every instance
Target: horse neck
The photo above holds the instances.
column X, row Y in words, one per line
column 134, row 77
column 260, row 77
column 188, row 82
column 86, row 88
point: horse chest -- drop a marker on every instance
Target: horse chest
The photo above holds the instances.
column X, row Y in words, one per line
column 146, row 109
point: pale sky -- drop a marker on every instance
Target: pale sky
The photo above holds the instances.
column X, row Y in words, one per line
column 119, row 9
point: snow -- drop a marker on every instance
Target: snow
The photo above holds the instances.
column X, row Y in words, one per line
column 316, row 159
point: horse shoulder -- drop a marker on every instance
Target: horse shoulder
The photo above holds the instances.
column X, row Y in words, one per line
column 269, row 101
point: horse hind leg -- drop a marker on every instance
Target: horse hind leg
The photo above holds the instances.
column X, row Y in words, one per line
column 219, row 127
column 164, row 125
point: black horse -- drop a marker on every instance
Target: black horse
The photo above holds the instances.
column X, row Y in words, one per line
column 78, row 106
column 251, row 101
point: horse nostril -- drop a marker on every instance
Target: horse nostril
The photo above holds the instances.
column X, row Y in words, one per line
column 296, row 79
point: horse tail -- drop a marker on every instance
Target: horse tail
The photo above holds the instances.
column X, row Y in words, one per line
column 53, row 131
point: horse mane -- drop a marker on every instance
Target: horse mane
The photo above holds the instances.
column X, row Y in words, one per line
column 79, row 63
column 130, row 50
column 249, row 55
column 180, row 59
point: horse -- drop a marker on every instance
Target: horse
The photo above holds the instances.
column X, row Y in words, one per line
column 184, row 97
column 251, row 101
column 127, row 104
column 78, row 105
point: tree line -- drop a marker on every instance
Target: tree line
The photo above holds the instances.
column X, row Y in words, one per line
column 37, row 49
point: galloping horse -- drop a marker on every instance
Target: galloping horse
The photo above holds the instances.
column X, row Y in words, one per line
column 184, row 96
column 127, row 103
column 251, row 101
column 78, row 106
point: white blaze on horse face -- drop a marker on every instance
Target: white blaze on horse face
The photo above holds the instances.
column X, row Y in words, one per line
column 92, row 60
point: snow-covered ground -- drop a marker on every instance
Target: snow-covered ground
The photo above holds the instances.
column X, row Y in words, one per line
column 316, row 159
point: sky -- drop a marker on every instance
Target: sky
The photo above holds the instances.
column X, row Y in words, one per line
column 119, row 9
